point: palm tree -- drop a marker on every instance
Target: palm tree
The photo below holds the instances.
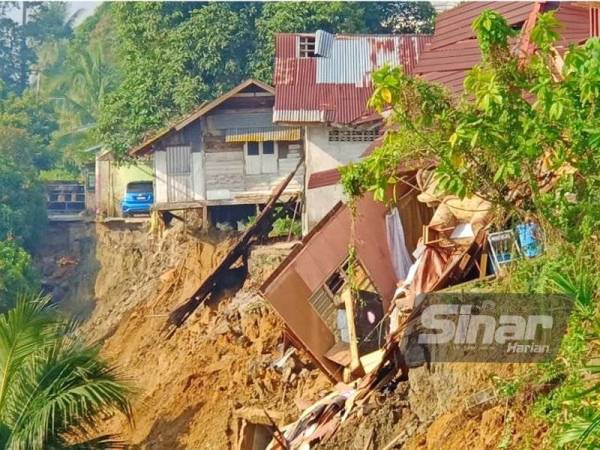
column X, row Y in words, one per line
column 83, row 89
column 54, row 389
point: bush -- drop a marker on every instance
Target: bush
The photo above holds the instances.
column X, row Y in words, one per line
column 17, row 275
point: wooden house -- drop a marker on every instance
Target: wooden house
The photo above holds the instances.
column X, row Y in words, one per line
column 226, row 156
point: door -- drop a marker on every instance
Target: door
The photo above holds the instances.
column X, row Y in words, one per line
column 252, row 158
column 179, row 174
column 269, row 157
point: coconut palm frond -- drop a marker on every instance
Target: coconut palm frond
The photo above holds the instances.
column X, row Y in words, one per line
column 24, row 330
column 60, row 386
column 581, row 432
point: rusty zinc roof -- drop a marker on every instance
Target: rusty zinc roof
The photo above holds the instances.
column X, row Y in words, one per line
column 454, row 49
column 335, row 85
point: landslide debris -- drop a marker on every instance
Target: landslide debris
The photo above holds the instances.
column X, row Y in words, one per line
column 222, row 360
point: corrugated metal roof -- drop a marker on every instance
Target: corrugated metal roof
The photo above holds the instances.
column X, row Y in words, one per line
column 454, row 49
column 261, row 134
column 595, row 21
column 335, row 88
column 324, row 178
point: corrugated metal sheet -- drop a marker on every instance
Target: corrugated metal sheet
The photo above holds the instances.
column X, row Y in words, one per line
column 179, row 174
column 323, row 43
column 261, row 134
column 454, row 25
column 335, row 88
column 454, row 49
column 323, row 178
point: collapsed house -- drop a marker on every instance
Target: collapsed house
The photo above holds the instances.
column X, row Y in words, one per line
column 323, row 83
column 419, row 242
column 454, row 245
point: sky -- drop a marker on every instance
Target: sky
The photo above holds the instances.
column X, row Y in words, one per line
column 86, row 7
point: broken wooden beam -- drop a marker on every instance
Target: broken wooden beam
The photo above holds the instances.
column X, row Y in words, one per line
column 263, row 221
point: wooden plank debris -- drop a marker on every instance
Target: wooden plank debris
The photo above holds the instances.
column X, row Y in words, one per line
column 260, row 227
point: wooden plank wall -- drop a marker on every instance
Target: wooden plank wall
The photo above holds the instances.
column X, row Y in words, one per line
column 225, row 164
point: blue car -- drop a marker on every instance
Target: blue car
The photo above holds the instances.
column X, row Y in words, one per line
column 138, row 199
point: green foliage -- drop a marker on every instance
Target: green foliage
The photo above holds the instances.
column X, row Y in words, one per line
column 492, row 32
column 174, row 56
column 18, row 42
column 493, row 141
column 286, row 225
column 52, row 383
column 171, row 61
column 37, row 120
column 17, row 275
column 22, row 203
column 572, row 403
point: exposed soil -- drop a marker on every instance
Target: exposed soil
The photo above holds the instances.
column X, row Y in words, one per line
column 66, row 261
column 221, row 360
column 190, row 387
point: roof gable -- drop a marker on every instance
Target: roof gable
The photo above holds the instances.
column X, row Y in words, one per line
column 242, row 88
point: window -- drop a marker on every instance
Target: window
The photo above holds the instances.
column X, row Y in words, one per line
column 90, row 180
column 328, row 304
column 306, row 47
column 269, row 148
column 352, row 135
column 261, row 157
column 253, row 149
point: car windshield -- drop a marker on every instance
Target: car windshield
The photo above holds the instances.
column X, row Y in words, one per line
column 138, row 188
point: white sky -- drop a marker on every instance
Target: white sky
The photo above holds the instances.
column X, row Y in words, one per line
column 86, row 7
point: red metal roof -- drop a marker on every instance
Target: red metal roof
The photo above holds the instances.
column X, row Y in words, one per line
column 335, row 88
column 324, row 178
column 454, row 49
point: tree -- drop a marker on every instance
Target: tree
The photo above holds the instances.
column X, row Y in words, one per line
column 82, row 89
column 11, row 53
column 54, row 388
column 22, row 202
column 170, row 63
column 17, row 275
column 40, row 22
column 498, row 141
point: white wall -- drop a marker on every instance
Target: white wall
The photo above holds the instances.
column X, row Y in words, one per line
column 160, row 180
column 323, row 155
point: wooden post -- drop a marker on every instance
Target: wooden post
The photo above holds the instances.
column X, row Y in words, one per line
column 483, row 264
column 205, row 218
column 355, row 366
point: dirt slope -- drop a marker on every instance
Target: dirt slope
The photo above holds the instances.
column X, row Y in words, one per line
column 189, row 385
